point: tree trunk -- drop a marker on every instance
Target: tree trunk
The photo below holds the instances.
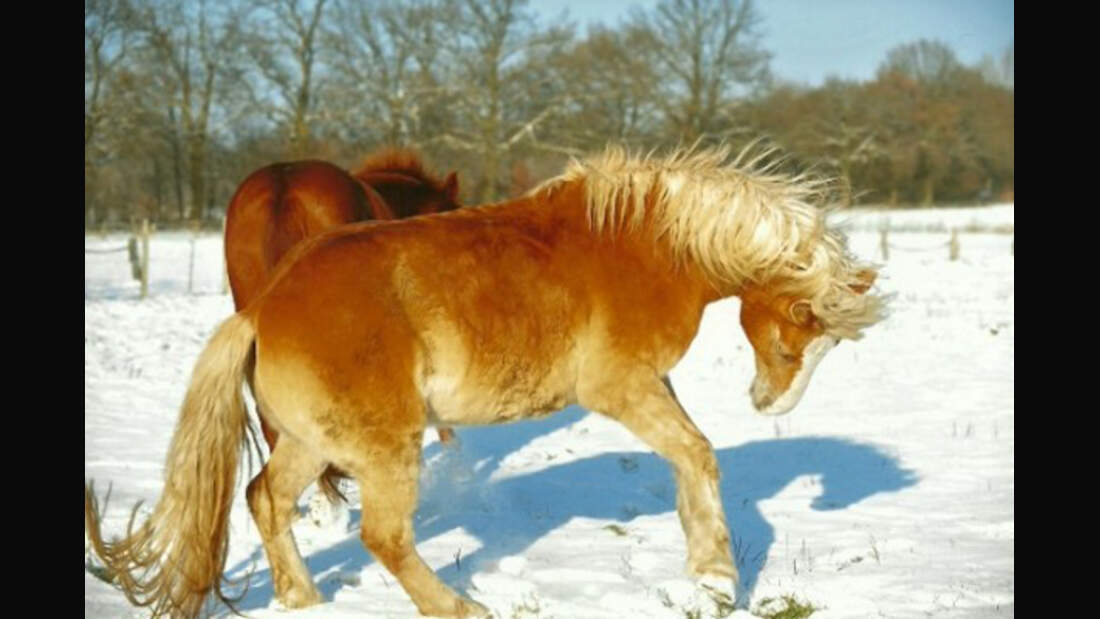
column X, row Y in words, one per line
column 158, row 189
column 196, row 156
column 299, row 140
column 177, row 165
column 491, row 137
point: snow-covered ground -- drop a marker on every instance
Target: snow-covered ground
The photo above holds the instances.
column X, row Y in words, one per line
column 888, row 492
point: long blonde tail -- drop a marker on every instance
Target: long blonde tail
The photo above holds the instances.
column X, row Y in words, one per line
column 177, row 556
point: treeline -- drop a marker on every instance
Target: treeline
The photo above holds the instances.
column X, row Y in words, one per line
column 183, row 99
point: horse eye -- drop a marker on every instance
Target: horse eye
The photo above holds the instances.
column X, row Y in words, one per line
column 784, row 354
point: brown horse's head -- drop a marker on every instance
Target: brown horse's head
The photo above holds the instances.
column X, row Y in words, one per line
column 399, row 178
column 789, row 340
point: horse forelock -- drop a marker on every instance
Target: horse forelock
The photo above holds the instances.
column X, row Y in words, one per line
column 743, row 222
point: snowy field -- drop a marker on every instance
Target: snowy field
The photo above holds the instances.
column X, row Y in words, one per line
column 888, row 492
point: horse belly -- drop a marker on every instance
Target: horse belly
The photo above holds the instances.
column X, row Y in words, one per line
column 473, row 400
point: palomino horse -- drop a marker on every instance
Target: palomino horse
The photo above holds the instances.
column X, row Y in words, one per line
column 586, row 290
column 282, row 204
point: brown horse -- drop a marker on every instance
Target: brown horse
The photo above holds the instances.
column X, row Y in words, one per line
column 282, row 204
column 586, row 290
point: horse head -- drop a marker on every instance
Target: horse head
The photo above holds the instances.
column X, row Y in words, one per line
column 399, row 177
column 789, row 339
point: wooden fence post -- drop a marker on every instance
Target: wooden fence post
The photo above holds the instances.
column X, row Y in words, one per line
column 225, row 263
column 135, row 255
column 884, row 244
column 191, row 261
column 953, row 244
column 144, row 258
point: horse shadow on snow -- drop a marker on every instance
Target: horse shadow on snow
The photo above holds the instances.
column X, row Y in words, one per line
column 508, row 515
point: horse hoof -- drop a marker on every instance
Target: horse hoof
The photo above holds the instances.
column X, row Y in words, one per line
column 462, row 608
column 301, row 599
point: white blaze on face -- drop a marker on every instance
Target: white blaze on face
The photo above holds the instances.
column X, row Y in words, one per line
column 811, row 356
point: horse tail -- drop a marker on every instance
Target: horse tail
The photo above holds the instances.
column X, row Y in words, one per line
column 179, row 553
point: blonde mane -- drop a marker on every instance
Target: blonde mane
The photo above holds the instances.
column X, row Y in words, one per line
column 742, row 223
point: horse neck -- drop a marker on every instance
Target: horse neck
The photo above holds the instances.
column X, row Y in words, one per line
column 406, row 199
column 406, row 192
column 639, row 248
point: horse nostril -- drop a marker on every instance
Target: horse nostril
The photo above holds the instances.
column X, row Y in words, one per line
column 761, row 399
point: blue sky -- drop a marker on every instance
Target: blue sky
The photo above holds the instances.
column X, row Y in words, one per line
column 813, row 39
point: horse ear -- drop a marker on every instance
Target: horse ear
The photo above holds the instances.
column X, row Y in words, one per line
column 450, row 186
column 801, row 313
column 864, row 279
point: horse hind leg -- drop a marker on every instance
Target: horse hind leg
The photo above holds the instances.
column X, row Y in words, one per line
column 271, row 436
column 388, row 479
column 272, row 498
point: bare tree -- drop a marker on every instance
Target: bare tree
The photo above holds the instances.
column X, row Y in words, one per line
column 610, row 89
column 283, row 45
column 183, row 99
column 1000, row 71
column 709, row 53
column 496, row 106
column 194, row 45
column 108, row 38
column 386, row 68
column 925, row 61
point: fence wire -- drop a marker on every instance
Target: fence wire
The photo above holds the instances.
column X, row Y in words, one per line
column 938, row 246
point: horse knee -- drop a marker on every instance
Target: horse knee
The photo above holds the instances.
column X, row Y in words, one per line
column 253, row 490
column 260, row 500
column 269, row 509
column 702, row 457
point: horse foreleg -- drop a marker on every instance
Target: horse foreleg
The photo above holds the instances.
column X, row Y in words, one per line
column 272, row 498
column 388, row 485
column 645, row 405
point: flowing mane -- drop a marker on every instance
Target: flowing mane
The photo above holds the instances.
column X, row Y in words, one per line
column 403, row 161
column 743, row 223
